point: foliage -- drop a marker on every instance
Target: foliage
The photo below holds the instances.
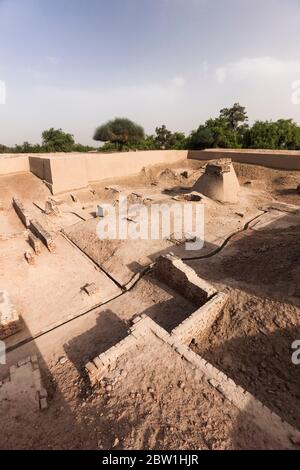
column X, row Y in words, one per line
column 166, row 140
column 229, row 130
column 283, row 134
column 216, row 133
column 120, row 131
column 236, row 116
column 55, row 140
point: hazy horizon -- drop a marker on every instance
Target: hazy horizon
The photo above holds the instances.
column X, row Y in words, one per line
column 75, row 64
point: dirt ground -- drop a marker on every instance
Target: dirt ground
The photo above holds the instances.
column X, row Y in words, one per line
column 147, row 406
column 152, row 401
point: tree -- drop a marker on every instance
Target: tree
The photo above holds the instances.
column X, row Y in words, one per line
column 215, row 133
column 55, row 140
column 166, row 140
column 4, row 148
column 162, row 137
column 283, row 134
column 236, row 116
column 120, row 131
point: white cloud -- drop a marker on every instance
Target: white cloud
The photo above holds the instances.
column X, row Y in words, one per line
column 257, row 68
column 178, row 82
column 53, row 60
column 221, row 74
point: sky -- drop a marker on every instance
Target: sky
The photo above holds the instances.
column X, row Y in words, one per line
column 74, row 64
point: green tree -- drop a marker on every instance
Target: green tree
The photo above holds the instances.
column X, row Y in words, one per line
column 121, row 132
column 216, row 133
column 4, row 148
column 162, row 137
column 55, row 140
column 166, row 140
column 236, row 116
column 288, row 134
column 283, row 134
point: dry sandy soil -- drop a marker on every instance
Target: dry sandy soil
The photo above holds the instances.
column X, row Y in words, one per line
column 155, row 402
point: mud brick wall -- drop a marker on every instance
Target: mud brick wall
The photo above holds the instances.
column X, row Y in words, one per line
column 43, row 235
column 102, row 364
column 30, row 362
column 266, row 419
column 183, row 279
column 201, row 319
column 35, row 243
column 9, row 318
column 21, row 212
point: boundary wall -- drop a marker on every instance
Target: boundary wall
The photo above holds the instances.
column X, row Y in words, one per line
column 65, row 172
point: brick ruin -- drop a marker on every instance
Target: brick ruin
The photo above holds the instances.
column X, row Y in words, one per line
column 219, row 182
column 9, row 318
column 210, row 302
column 24, row 378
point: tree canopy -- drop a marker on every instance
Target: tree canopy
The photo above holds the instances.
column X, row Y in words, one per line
column 55, row 140
column 235, row 116
column 120, row 131
column 283, row 134
column 229, row 130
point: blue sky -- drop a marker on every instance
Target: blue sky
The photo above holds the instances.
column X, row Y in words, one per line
column 76, row 63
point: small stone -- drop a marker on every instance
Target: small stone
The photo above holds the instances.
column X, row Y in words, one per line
column 295, row 440
column 29, row 256
column 63, row 360
column 116, row 442
column 43, row 393
column 100, row 211
column 108, row 388
column 181, row 384
column 51, row 208
column 43, row 404
column 90, row 289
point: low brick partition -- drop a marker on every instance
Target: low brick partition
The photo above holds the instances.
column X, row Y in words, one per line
column 266, row 419
column 183, row 279
column 201, row 319
column 43, row 235
column 35, row 243
column 9, row 319
column 22, row 213
column 26, row 368
column 261, row 415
